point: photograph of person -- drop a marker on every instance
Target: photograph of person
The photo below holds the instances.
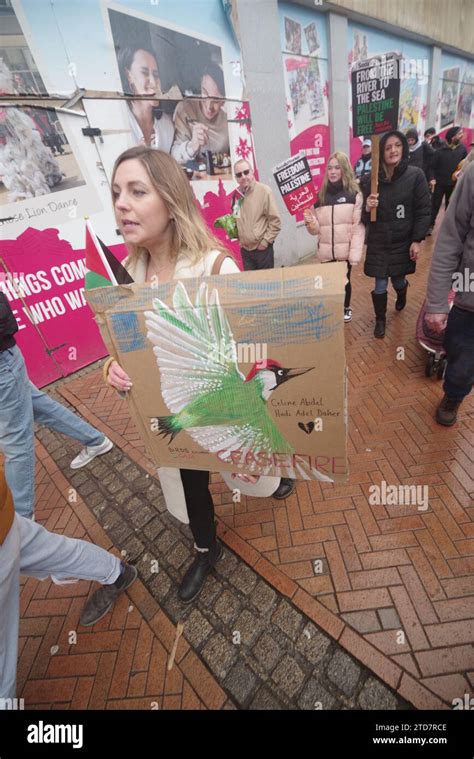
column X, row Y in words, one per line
column 292, row 36
column 311, row 34
column 201, row 125
column 140, row 76
column 449, row 95
column 465, row 101
column 183, row 75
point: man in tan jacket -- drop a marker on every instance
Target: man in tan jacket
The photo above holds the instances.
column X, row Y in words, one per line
column 258, row 220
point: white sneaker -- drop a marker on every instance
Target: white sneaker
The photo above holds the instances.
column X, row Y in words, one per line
column 347, row 314
column 90, row 452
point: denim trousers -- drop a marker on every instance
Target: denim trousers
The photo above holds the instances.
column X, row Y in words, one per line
column 381, row 284
column 29, row 549
column 22, row 404
column 459, row 346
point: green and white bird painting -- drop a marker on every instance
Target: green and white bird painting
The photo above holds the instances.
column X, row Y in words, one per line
column 201, row 383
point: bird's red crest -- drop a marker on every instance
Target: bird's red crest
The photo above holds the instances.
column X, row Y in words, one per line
column 266, row 363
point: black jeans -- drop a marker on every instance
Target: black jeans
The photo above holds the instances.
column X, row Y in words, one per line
column 200, row 506
column 459, row 346
column 257, row 259
column 440, row 190
column 347, row 299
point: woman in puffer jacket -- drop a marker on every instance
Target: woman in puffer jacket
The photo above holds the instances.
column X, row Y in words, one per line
column 336, row 218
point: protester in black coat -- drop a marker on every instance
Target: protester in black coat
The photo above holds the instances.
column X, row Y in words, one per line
column 421, row 153
column 403, row 206
column 444, row 164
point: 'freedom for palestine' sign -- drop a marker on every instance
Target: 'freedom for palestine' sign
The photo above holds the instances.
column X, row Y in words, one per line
column 375, row 94
column 295, row 183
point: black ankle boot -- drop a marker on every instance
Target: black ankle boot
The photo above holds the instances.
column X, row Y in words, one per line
column 194, row 579
column 380, row 307
column 401, row 298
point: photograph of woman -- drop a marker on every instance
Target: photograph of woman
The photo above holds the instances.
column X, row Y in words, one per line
column 140, row 76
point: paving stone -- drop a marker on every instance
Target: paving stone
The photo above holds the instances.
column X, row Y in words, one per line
column 212, row 588
column 124, row 495
column 134, row 548
column 197, row 628
column 363, row 621
column 153, row 528
column 115, row 486
column 178, row 555
column 165, row 543
column 263, row 597
column 96, row 499
column 131, row 473
column 219, row 654
column 244, row 579
column 160, row 586
column 227, row 606
column 78, row 478
column 312, row 643
column 287, row 619
column 99, row 470
column 267, row 652
column 390, row 619
column 227, row 565
column 376, row 695
column 344, row 672
column 120, row 532
column 87, row 488
column 141, row 484
column 110, row 518
column 315, row 696
column 241, row 683
column 265, row 700
column 143, row 515
column 249, row 627
column 289, row 676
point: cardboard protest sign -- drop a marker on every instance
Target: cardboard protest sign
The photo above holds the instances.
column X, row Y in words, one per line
column 295, row 183
column 207, row 396
column 375, row 95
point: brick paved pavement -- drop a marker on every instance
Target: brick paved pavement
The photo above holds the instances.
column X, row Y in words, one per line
column 385, row 569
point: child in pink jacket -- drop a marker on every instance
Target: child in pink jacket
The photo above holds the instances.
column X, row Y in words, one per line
column 336, row 218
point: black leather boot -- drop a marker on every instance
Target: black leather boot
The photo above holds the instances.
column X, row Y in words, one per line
column 284, row 489
column 401, row 298
column 380, row 308
column 194, row 579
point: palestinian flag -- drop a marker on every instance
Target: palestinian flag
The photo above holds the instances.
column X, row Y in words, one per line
column 103, row 269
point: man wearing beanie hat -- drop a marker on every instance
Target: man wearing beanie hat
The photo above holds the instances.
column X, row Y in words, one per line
column 421, row 153
column 444, row 163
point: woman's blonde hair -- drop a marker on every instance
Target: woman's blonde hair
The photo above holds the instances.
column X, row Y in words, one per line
column 190, row 233
column 348, row 179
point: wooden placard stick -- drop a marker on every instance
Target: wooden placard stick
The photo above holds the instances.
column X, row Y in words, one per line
column 374, row 177
column 179, row 632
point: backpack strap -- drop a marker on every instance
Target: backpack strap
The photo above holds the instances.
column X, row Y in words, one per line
column 216, row 266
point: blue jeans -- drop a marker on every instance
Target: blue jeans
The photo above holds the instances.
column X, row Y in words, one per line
column 22, row 404
column 459, row 345
column 381, row 284
column 29, row 549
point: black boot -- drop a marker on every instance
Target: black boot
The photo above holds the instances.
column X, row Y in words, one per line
column 447, row 411
column 284, row 489
column 380, row 308
column 401, row 298
column 194, row 579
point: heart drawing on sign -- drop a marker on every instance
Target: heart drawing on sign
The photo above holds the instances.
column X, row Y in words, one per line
column 308, row 428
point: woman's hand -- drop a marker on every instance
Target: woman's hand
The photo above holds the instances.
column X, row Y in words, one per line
column 372, row 201
column 415, row 249
column 118, row 378
column 309, row 219
column 246, row 478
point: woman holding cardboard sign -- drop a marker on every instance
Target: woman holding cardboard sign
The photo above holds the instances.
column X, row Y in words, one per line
column 336, row 218
column 168, row 239
column 403, row 205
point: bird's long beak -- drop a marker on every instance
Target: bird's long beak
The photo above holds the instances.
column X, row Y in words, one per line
column 296, row 372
